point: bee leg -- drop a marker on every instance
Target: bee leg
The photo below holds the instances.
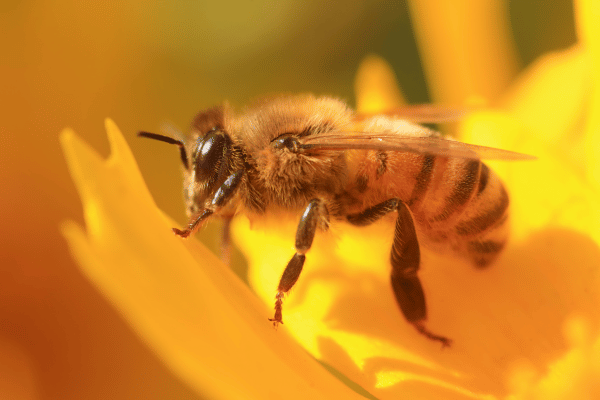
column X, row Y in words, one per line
column 315, row 216
column 405, row 259
column 223, row 194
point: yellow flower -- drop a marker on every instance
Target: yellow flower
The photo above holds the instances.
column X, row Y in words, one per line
column 524, row 328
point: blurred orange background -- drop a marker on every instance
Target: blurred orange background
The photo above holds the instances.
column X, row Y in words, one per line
column 68, row 63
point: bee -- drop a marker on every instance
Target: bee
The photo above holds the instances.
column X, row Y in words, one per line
column 315, row 157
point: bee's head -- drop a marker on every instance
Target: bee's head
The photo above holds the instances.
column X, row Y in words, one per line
column 206, row 156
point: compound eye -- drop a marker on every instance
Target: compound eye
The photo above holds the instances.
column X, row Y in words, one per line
column 210, row 153
column 287, row 142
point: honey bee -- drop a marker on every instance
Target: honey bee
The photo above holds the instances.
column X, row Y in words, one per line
column 315, row 157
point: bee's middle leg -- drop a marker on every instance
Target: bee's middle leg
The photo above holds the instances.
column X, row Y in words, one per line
column 405, row 259
column 315, row 216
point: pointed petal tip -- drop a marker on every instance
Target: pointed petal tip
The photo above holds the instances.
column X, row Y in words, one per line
column 67, row 138
column 115, row 139
column 120, row 152
column 115, row 136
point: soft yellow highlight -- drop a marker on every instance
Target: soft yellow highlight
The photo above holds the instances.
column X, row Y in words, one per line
column 573, row 376
column 466, row 48
column 386, row 379
column 540, row 120
column 186, row 305
column 557, row 84
column 377, row 84
column 322, row 313
column 587, row 13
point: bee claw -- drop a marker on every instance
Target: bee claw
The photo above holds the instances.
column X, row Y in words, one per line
column 185, row 233
column 276, row 322
column 446, row 342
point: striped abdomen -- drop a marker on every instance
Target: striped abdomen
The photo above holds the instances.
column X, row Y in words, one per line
column 456, row 203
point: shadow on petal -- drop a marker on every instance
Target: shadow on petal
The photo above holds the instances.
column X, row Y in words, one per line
column 513, row 310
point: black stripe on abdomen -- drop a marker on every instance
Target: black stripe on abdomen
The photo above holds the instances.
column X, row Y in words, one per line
column 462, row 192
column 423, row 179
column 484, row 176
column 487, row 219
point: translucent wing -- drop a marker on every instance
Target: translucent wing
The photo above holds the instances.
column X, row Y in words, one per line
column 434, row 145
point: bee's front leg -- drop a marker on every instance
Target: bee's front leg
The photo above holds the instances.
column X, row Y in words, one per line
column 315, row 216
column 405, row 259
column 221, row 197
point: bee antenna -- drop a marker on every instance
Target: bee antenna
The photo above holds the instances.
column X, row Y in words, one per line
column 169, row 140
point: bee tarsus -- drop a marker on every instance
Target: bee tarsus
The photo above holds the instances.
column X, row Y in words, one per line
column 182, row 233
column 278, row 318
column 315, row 216
column 443, row 340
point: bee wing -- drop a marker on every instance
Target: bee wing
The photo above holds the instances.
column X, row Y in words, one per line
column 434, row 145
column 422, row 113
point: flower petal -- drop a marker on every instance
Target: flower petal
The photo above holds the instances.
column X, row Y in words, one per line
column 376, row 86
column 553, row 190
column 587, row 14
column 466, row 49
column 549, row 98
column 193, row 311
column 573, row 376
column 556, row 217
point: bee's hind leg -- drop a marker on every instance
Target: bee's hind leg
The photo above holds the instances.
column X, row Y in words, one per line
column 315, row 216
column 405, row 259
